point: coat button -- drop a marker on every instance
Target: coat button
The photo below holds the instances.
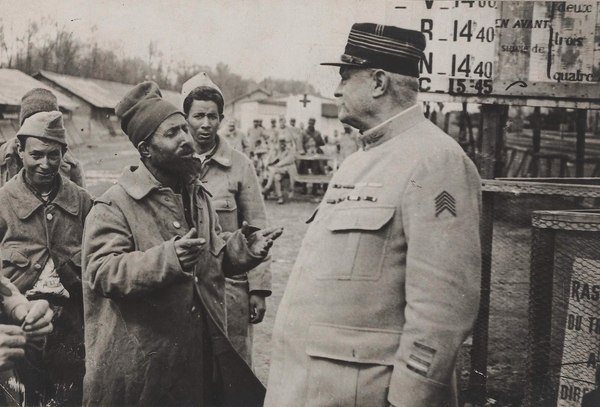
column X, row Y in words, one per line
column 196, row 279
column 49, row 216
column 177, row 225
column 37, row 266
column 193, row 308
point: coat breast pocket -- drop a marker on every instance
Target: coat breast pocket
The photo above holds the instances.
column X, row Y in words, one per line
column 359, row 237
column 13, row 258
column 17, row 267
column 228, row 214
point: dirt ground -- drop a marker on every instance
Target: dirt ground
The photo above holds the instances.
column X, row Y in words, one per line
column 508, row 323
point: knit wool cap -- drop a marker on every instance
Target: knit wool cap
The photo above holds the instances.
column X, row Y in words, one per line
column 386, row 47
column 199, row 80
column 44, row 125
column 142, row 110
column 37, row 100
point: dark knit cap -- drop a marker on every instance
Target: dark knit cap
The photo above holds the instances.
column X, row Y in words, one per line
column 386, row 47
column 142, row 110
column 35, row 101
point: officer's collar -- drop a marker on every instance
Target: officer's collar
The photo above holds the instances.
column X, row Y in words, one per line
column 391, row 127
column 25, row 203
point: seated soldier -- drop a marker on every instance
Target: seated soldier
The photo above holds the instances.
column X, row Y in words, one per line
column 278, row 168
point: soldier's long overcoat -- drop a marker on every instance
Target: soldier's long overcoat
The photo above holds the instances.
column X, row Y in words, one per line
column 146, row 318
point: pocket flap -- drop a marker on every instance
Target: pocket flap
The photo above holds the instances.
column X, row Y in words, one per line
column 225, row 205
column 352, row 344
column 217, row 245
column 15, row 257
column 364, row 218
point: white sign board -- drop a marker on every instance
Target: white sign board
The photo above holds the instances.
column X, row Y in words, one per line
column 582, row 334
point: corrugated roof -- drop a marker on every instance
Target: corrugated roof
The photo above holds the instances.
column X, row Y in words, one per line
column 259, row 89
column 97, row 92
column 14, row 84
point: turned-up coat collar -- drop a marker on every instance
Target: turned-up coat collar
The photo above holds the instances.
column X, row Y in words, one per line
column 138, row 181
column 25, row 203
column 223, row 154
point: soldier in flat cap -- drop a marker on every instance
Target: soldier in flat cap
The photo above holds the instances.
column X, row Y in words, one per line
column 154, row 261
column 35, row 101
column 386, row 285
column 230, row 177
column 41, row 228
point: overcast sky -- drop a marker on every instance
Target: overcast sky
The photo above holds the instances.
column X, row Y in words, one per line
column 256, row 38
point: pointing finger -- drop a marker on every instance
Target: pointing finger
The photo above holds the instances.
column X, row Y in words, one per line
column 198, row 241
column 191, row 234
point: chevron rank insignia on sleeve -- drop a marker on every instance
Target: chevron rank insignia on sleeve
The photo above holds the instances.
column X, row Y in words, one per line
column 445, row 202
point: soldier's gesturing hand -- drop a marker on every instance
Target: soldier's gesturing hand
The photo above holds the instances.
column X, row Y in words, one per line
column 188, row 248
column 261, row 241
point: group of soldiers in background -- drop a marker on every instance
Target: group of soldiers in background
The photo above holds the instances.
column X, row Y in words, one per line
column 273, row 150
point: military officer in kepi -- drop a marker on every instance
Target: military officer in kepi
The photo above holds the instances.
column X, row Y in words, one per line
column 385, row 288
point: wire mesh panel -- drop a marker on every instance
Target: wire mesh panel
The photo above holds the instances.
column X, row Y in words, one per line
column 564, row 308
column 497, row 359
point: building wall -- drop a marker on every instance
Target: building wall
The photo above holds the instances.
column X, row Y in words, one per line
column 233, row 110
column 296, row 109
column 254, row 110
column 248, row 111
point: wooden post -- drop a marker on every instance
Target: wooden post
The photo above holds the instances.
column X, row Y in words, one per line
column 536, row 125
column 491, row 166
column 492, row 143
column 476, row 392
column 580, row 127
column 540, row 317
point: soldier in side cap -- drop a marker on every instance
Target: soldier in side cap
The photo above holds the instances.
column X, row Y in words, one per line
column 230, row 177
column 154, row 264
column 42, row 216
column 385, row 288
column 35, row 101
